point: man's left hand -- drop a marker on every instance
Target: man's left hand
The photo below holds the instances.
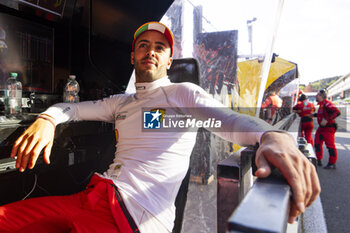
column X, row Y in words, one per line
column 279, row 150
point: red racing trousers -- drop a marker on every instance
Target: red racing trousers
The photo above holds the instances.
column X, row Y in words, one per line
column 99, row 208
column 326, row 134
column 306, row 131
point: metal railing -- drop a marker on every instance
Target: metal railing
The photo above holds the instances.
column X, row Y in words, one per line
column 261, row 206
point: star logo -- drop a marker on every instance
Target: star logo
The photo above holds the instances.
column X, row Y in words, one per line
column 152, row 119
column 156, row 115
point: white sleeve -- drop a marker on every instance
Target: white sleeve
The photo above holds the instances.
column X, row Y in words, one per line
column 236, row 127
column 100, row 110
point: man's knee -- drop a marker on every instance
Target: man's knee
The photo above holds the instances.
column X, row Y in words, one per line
column 331, row 151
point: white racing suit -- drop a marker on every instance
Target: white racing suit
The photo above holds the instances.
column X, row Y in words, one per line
column 149, row 165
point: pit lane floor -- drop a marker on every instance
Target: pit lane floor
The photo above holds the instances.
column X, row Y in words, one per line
column 200, row 211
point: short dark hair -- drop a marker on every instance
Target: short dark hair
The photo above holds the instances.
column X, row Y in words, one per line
column 302, row 97
column 323, row 93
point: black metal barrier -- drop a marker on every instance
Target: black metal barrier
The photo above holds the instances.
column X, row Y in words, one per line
column 261, row 207
column 234, row 181
column 265, row 207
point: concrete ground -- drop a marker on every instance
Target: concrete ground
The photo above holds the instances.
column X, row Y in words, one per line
column 200, row 211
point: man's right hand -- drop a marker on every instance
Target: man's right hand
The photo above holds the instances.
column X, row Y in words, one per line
column 38, row 136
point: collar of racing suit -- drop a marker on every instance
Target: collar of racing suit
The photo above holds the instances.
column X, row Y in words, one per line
column 145, row 87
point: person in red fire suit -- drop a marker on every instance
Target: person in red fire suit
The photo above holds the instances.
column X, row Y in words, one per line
column 272, row 103
column 326, row 115
column 305, row 110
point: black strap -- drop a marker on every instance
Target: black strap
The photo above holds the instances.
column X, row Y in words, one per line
column 131, row 221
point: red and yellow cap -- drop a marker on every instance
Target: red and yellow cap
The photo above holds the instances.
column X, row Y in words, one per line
column 155, row 26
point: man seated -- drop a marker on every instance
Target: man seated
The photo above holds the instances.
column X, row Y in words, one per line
column 137, row 192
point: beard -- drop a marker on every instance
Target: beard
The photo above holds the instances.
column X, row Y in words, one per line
column 149, row 75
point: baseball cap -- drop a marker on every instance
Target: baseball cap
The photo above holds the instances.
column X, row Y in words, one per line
column 155, row 26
